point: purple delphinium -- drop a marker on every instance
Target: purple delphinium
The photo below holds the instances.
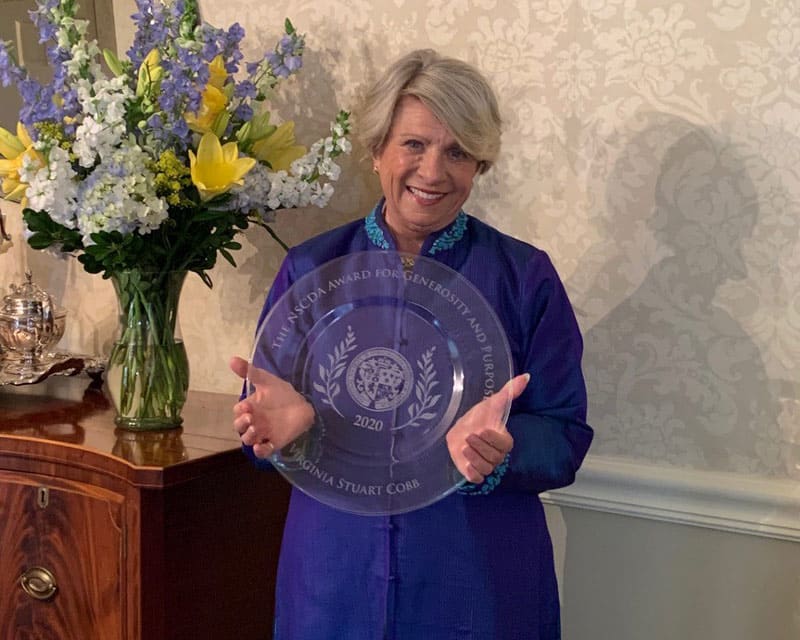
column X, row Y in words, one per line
column 42, row 17
column 180, row 93
column 152, row 29
column 285, row 60
column 287, row 57
column 37, row 99
column 241, row 109
column 68, row 108
column 218, row 42
column 243, row 112
column 50, row 19
column 38, row 104
column 245, row 90
column 230, row 47
column 10, row 71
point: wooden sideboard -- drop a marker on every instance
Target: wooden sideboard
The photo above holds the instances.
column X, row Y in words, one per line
column 107, row 534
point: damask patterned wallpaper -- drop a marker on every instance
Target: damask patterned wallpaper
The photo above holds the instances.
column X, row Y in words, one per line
column 652, row 148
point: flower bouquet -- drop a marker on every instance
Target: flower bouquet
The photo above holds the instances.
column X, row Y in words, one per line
column 150, row 171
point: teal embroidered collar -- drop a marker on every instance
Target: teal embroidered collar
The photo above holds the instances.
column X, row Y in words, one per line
column 445, row 240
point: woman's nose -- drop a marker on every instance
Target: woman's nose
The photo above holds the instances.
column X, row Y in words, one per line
column 431, row 165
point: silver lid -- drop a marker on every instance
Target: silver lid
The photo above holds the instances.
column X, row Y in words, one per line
column 28, row 299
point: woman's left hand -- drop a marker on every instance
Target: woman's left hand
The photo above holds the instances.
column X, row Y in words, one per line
column 479, row 440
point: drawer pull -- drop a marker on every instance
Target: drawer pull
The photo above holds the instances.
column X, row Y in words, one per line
column 39, row 583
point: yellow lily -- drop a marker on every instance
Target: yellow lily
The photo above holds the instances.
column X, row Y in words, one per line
column 217, row 73
column 15, row 149
column 279, row 149
column 216, row 168
column 10, row 145
column 213, row 100
column 212, row 103
column 150, row 72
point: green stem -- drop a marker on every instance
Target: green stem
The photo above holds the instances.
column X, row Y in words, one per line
column 148, row 370
column 275, row 237
column 257, row 221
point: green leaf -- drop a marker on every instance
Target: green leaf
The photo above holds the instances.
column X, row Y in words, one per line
column 40, row 240
column 208, row 215
column 221, row 123
column 47, row 233
column 90, row 265
column 243, row 133
column 225, row 254
column 113, row 62
column 261, row 125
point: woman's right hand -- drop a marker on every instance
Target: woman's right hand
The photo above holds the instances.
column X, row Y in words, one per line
column 273, row 416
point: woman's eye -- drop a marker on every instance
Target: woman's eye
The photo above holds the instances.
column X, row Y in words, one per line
column 414, row 145
column 457, row 153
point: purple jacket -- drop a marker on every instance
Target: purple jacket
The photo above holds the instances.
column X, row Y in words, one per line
column 478, row 564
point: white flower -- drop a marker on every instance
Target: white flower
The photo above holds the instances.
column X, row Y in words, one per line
column 118, row 202
column 87, row 138
column 321, row 194
column 52, row 188
column 83, row 60
column 253, row 195
column 287, row 191
column 116, row 195
column 330, row 169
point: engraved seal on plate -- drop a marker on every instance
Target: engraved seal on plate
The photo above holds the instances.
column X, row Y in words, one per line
column 379, row 379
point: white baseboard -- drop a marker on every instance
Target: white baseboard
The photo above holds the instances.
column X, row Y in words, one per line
column 726, row 501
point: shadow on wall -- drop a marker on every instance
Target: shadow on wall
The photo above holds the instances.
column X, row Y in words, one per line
column 672, row 376
column 620, row 193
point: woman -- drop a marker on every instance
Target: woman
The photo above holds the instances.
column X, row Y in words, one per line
column 477, row 564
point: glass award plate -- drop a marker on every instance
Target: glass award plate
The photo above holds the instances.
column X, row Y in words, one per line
column 391, row 350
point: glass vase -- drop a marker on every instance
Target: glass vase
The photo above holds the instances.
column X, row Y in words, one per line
column 148, row 371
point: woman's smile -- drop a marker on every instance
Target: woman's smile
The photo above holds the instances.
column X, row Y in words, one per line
column 426, row 197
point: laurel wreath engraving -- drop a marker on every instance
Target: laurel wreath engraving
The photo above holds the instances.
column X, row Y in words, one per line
column 338, row 362
column 423, row 390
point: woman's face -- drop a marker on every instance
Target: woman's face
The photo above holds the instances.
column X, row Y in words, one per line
column 425, row 175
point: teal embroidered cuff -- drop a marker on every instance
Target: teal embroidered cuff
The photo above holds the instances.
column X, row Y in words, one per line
column 489, row 483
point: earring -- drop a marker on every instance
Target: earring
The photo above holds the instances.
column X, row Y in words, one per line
column 374, row 168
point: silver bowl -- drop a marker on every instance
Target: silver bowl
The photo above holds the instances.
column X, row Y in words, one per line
column 27, row 338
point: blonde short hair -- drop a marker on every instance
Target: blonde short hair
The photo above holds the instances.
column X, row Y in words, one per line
column 455, row 92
